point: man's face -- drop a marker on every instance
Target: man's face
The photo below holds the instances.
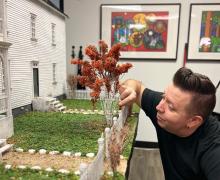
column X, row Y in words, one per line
column 172, row 112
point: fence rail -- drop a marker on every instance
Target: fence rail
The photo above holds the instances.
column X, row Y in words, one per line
column 78, row 94
column 81, row 94
column 95, row 170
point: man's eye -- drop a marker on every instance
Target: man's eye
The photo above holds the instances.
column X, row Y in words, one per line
column 171, row 108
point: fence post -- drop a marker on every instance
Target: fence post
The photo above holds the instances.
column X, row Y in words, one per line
column 101, row 149
column 115, row 120
column 107, row 136
column 101, row 143
column 82, row 168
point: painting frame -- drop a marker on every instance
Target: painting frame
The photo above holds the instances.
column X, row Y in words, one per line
column 173, row 20
column 201, row 39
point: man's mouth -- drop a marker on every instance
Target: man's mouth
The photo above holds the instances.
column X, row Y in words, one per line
column 159, row 118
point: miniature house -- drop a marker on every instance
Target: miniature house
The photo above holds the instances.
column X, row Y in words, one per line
column 6, row 119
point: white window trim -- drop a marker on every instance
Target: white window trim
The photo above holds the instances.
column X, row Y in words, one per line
column 54, row 70
column 2, row 73
column 33, row 27
column 53, row 34
column 35, row 64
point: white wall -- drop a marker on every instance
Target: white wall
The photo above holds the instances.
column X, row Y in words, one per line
column 83, row 29
column 23, row 51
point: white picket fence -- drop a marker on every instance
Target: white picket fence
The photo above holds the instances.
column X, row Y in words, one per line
column 78, row 94
column 95, row 170
column 81, row 94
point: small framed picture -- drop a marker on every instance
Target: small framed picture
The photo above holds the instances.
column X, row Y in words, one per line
column 204, row 32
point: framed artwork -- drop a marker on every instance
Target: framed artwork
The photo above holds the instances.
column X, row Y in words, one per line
column 146, row 31
column 204, row 32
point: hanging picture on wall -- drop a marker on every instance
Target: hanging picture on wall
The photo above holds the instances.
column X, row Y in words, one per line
column 204, row 32
column 146, row 31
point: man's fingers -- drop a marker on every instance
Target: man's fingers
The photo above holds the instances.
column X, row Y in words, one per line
column 127, row 95
column 124, row 94
column 129, row 99
column 121, row 88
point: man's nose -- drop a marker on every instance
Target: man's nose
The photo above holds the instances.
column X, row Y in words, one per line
column 160, row 106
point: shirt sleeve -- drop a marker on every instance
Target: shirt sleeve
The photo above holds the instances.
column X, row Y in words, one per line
column 150, row 99
column 210, row 162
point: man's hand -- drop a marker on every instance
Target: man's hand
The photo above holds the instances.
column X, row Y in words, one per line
column 130, row 92
column 127, row 95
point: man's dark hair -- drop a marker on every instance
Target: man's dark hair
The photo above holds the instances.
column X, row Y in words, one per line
column 202, row 89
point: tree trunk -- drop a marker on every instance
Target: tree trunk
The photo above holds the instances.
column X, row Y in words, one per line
column 218, row 31
column 207, row 29
column 208, row 24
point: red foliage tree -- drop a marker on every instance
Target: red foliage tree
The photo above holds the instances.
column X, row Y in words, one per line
column 102, row 69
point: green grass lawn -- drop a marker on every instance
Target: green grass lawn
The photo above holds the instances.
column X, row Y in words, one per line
column 80, row 104
column 57, row 131
column 86, row 104
column 28, row 174
column 61, row 132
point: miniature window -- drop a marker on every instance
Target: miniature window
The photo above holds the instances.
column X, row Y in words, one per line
column 33, row 27
column 53, row 34
column 54, row 73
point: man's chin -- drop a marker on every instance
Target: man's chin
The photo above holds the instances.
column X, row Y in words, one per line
column 160, row 121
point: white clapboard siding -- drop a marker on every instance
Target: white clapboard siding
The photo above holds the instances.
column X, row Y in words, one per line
column 23, row 51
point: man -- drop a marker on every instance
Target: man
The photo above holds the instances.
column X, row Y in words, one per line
column 188, row 135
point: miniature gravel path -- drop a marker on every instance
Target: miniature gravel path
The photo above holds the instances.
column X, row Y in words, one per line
column 54, row 161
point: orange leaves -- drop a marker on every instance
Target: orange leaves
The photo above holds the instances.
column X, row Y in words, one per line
column 82, row 79
column 92, row 52
column 94, row 94
column 123, row 68
column 110, row 64
column 77, row 61
column 102, row 69
column 98, row 65
column 115, row 51
column 103, row 47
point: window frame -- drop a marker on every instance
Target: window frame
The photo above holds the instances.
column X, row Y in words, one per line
column 53, row 34
column 54, row 75
column 33, row 27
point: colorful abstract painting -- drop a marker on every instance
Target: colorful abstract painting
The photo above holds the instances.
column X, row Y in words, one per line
column 140, row 31
column 210, row 32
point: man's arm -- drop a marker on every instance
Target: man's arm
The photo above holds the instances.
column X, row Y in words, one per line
column 131, row 92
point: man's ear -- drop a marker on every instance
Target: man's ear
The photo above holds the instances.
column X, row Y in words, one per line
column 195, row 122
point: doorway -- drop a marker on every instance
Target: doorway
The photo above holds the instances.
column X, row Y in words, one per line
column 36, row 82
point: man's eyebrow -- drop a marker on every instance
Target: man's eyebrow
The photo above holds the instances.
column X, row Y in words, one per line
column 167, row 99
